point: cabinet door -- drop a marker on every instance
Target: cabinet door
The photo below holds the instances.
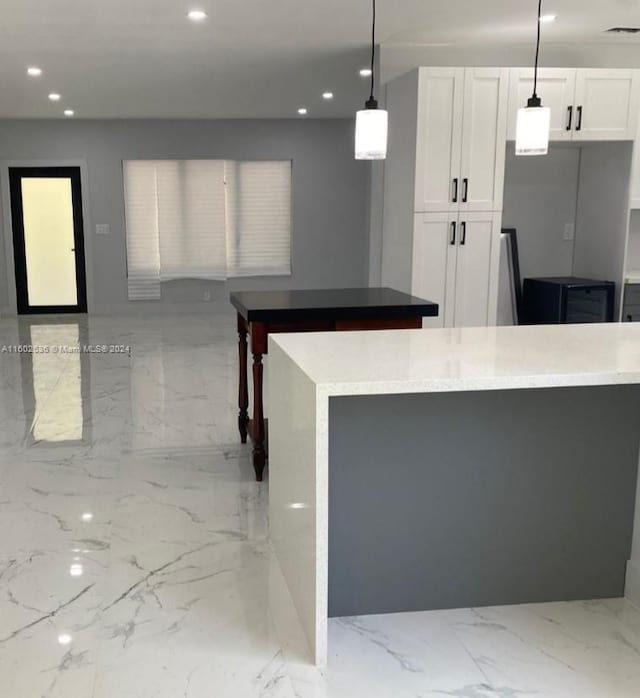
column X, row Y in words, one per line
column 556, row 88
column 435, row 244
column 477, row 270
column 438, row 145
column 484, row 135
column 606, row 105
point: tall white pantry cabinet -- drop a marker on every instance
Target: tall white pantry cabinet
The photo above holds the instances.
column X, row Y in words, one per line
column 446, row 170
column 444, row 175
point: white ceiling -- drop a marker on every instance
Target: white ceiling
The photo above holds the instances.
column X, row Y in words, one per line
column 250, row 58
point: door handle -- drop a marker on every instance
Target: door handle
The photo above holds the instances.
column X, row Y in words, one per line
column 465, row 190
column 454, row 198
column 570, row 119
column 463, row 234
column 452, row 241
column 579, row 121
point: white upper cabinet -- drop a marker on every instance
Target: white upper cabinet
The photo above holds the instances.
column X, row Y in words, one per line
column 483, row 135
column 587, row 104
column 556, row 88
column 460, row 139
column 439, row 128
column 606, row 103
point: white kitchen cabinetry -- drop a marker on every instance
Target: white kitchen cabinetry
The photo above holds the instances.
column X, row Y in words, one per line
column 607, row 103
column 556, row 88
column 444, row 175
column 461, row 126
column 455, row 264
column 484, row 124
column 587, row 104
column 439, row 139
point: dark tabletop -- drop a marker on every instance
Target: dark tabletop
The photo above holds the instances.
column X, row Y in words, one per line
column 335, row 303
column 571, row 281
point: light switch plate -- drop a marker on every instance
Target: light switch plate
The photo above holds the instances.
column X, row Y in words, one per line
column 569, row 231
column 103, row 229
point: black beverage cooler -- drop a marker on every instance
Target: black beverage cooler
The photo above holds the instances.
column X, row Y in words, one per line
column 565, row 300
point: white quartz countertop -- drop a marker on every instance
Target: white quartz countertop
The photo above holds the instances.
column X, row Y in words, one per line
column 444, row 360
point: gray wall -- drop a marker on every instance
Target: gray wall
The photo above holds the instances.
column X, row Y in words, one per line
column 330, row 194
column 603, row 212
column 540, row 197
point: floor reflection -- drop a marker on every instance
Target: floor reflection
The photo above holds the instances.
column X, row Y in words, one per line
column 56, row 377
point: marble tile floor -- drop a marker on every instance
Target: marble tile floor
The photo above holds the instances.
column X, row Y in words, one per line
column 135, row 560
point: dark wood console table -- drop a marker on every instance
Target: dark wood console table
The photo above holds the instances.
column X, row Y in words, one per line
column 261, row 313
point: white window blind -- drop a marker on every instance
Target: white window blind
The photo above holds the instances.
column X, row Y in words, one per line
column 206, row 219
column 258, row 208
column 143, row 252
column 191, row 219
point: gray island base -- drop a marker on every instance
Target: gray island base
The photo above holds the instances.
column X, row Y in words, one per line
column 455, row 500
column 430, row 469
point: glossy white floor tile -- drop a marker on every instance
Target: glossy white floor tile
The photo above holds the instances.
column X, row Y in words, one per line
column 135, row 559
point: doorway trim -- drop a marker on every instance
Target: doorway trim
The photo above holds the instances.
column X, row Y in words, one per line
column 7, row 225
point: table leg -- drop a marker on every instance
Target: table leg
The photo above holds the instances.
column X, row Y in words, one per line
column 259, row 454
column 243, row 390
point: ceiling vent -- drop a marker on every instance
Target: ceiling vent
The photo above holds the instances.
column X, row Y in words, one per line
column 624, row 30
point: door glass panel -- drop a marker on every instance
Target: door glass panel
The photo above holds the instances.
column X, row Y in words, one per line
column 47, row 206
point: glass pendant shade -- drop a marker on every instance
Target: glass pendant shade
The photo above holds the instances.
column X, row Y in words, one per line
column 532, row 131
column 371, row 134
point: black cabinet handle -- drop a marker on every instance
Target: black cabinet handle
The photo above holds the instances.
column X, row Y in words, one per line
column 579, row 123
column 465, row 190
column 454, row 198
column 452, row 241
column 463, row 238
column 570, row 119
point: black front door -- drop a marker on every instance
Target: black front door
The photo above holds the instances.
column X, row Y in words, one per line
column 48, row 239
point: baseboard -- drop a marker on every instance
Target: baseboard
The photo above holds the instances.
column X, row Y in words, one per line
column 154, row 308
column 632, row 586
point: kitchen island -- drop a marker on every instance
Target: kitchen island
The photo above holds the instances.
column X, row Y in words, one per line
column 417, row 470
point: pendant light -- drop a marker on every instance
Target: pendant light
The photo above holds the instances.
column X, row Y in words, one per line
column 372, row 123
column 534, row 120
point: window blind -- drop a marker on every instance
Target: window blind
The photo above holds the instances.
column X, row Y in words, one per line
column 141, row 210
column 258, row 205
column 191, row 219
column 205, row 219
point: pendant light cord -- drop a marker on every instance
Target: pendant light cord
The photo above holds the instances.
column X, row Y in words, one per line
column 373, row 50
column 535, row 74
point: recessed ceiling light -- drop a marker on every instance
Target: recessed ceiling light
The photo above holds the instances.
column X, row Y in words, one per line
column 548, row 18
column 302, row 111
column 87, row 516
column 365, row 72
column 197, row 15
column 34, row 71
column 69, row 112
column 54, row 97
column 327, row 95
